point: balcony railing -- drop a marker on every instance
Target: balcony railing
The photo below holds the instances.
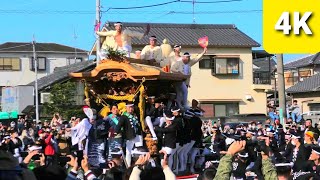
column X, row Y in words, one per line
column 261, row 80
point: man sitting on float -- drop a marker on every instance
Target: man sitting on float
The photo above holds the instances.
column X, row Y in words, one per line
column 122, row 38
column 152, row 52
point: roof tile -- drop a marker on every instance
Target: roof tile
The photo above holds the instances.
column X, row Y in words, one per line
column 188, row 34
column 40, row 47
column 308, row 85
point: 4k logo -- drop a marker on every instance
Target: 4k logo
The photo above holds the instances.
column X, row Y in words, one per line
column 283, row 23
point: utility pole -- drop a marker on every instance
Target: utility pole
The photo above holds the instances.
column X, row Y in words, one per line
column 98, row 37
column 35, row 59
column 281, row 89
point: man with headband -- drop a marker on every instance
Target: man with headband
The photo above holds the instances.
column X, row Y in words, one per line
column 122, row 37
column 183, row 66
column 152, row 52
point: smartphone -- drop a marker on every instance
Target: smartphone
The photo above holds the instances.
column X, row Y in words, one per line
column 24, row 154
column 36, row 157
column 64, row 159
column 79, row 156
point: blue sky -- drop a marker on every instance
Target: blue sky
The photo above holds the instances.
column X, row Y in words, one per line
column 40, row 17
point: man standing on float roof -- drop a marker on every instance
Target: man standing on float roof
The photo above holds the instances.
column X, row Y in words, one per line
column 183, row 65
column 122, row 37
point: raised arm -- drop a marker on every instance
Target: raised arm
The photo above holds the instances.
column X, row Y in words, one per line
column 225, row 165
column 193, row 61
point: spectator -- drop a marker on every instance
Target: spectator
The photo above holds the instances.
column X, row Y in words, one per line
column 295, row 111
column 26, row 139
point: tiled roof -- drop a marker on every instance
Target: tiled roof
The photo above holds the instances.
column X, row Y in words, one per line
column 302, row 62
column 263, row 64
column 62, row 73
column 40, row 47
column 308, row 85
column 188, row 34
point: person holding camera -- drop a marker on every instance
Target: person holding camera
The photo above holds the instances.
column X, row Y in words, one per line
column 49, row 150
column 140, row 171
column 225, row 166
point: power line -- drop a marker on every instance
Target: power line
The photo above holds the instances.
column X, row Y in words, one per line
column 209, row 2
column 148, row 6
column 125, row 12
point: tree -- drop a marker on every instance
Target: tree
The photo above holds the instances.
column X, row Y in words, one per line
column 62, row 100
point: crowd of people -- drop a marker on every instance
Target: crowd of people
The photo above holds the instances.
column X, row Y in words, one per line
column 113, row 147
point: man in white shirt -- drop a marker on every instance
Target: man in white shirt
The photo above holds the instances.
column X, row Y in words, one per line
column 184, row 66
column 152, row 52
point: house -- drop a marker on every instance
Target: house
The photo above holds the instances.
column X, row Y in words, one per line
column 17, row 64
column 223, row 80
column 300, row 69
column 61, row 75
column 307, row 93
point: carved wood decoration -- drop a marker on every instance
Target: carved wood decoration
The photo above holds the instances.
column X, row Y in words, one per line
column 117, row 76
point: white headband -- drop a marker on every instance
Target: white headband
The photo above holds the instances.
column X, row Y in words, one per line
column 115, row 24
column 316, row 152
column 245, row 155
column 175, row 110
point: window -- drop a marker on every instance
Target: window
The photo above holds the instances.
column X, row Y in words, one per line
column 218, row 109
column 41, row 63
column 7, row 63
column 206, row 63
column 227, row 66
column 73, row 60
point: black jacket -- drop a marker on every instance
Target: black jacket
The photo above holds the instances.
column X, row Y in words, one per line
column 196, row 131
column 169, row 135
column 302, row 157
column 152, row 111
column 128, row 131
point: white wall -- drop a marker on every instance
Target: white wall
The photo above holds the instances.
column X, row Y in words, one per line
column 25, row 75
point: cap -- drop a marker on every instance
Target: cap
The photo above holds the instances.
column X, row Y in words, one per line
column 259, row 123
column 6, row 137
column 153, row 38
column 186, row 54
column 151, row 97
